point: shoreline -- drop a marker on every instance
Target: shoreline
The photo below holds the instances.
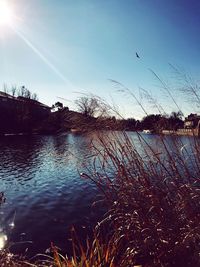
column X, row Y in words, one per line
column 182, row 132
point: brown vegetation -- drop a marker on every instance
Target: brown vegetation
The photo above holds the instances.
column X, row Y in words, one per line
column 153, row 195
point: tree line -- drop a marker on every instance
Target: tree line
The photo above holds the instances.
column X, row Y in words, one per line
column 96, row 114
column 92, row 113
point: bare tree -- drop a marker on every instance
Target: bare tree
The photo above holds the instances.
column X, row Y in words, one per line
column 5, row 88
column 24, row 92
column 13, row 90
column 88, row 106
column 34, row 96
column 21, row 91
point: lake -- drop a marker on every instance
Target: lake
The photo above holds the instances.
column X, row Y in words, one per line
column 45, row 195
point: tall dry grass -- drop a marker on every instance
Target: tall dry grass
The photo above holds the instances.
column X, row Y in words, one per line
column 154, row 199
column 153, row 194
column 152, row 191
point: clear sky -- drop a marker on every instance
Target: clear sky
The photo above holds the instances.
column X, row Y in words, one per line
column 65, row 47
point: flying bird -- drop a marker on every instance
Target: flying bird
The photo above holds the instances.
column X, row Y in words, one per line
column 137, row 55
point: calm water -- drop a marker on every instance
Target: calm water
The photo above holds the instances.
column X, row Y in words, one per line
column 45, row 195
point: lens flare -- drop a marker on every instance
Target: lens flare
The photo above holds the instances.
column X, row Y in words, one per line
column 3, row 240
column 6, row 13
column 44, row 59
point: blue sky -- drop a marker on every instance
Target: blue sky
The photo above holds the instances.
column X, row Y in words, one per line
column 66, row 47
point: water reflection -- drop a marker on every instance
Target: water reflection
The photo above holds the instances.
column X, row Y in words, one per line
column 40, row 179
column 45, row 195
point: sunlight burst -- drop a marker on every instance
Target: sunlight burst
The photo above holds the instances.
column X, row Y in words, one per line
column 3, row 240
column 6, row 14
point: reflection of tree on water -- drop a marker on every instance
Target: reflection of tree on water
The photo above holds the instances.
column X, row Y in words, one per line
column 42, row 184
column 19, row 155
column 73, row 148
column 22, row 157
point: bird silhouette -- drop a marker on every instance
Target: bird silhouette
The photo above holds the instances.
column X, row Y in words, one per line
column 137, row 55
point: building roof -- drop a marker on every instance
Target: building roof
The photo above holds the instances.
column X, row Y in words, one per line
column 21, row 98
column 4, row 94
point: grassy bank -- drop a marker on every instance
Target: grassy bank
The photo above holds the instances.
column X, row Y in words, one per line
column 152, row 191
column 154, row 200
column 153, row 197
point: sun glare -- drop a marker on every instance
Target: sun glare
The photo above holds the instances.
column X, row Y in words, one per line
column 6, row 14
